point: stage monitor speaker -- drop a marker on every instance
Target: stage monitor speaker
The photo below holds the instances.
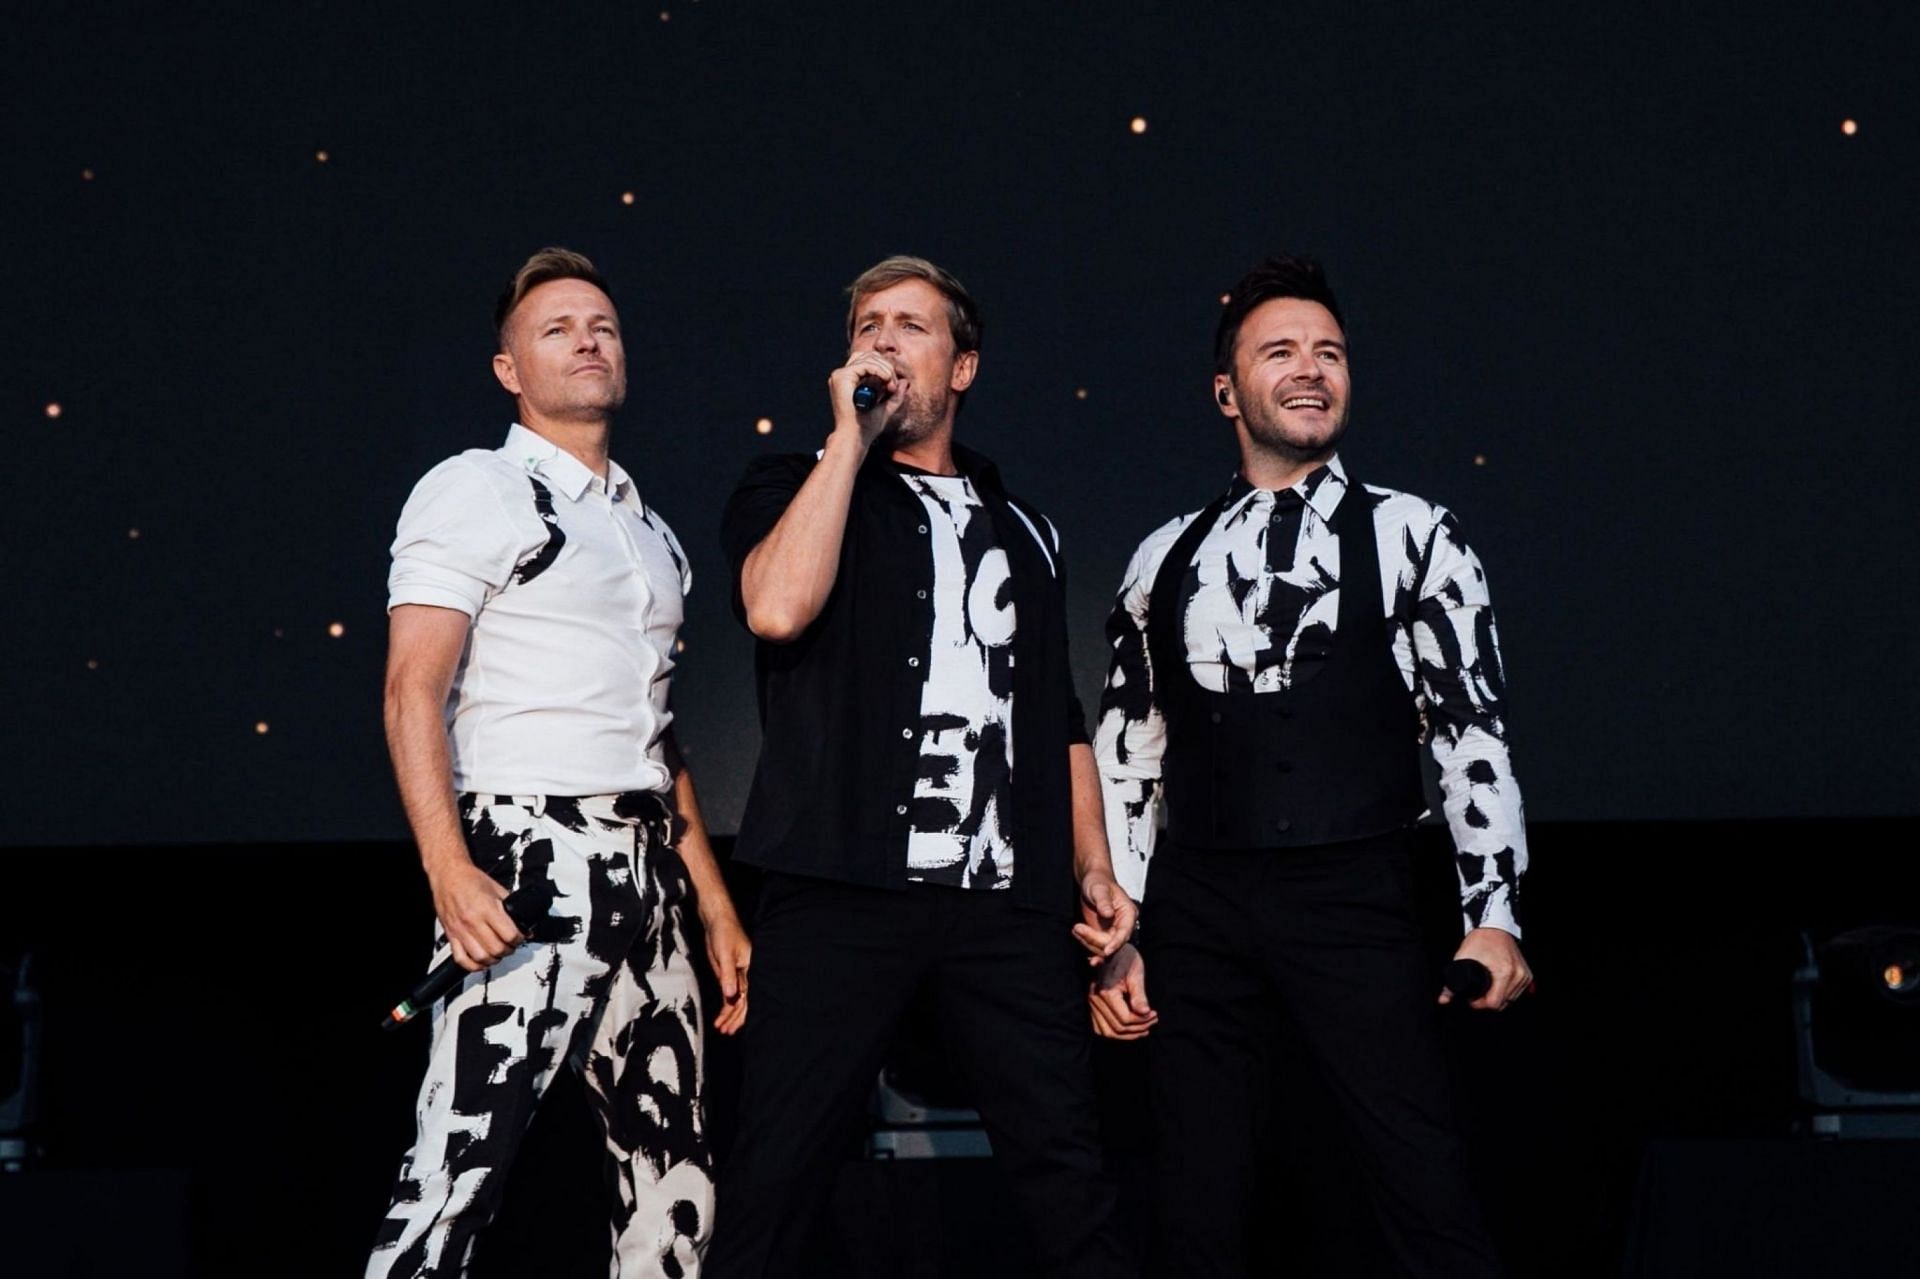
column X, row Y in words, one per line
column 919, row 1106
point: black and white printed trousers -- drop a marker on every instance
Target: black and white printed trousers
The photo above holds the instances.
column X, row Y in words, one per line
column 605, row 984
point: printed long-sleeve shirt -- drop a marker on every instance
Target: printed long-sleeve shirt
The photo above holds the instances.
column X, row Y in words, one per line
column 1265, row 598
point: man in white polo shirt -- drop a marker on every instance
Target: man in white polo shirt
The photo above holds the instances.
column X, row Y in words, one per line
column 534, row 602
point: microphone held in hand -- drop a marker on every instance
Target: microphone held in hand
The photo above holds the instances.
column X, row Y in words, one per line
column 870, row 390
column 526, row 908
column 1468, row 979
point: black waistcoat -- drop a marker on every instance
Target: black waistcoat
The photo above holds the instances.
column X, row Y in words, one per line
column 1333, row 757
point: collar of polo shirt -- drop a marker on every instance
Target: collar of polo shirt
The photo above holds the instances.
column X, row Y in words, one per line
column 562, row 469
column 1322, row 493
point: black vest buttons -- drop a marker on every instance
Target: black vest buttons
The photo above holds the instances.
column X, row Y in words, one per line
column 1214, row 716
column 1283, row 825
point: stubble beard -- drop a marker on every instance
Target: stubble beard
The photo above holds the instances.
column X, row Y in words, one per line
column 1266, row 430
column 598, row 406
column 915, row 418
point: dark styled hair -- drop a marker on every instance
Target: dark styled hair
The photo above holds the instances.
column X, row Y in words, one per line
column 547, row 265
column 1280, row 276
column 963, row 314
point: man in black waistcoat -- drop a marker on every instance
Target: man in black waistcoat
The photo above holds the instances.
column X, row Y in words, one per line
column 1277, row 716
column 926, row 806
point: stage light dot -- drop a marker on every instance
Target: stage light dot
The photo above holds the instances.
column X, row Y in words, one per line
column 93, row 663
column 626, row 197
column 1080, row 393
column 1895, row 977
column 336, row 630
column 1479, row 459
column 260, row 727
column 1225, row 298
column 86, row 175
column 764, row 426
column 321, row 156
column 279, row 632
column 133, row 535
column 679, row 646
column 53, row 410
column 1849, row 127
column 665, row 16
column 1139, row 124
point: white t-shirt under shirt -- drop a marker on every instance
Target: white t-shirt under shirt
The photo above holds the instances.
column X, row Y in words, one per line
column 962, row 796
column 576, row 593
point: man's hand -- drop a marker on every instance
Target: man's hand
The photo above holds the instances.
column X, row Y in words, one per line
column 843, row 380
column 467, row 900
column 1107, row 915
column 731, row 954
column 1497, row 949
column 1117, row 997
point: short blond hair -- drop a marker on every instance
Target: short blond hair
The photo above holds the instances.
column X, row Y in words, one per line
column 963, row 314
column 543, row 267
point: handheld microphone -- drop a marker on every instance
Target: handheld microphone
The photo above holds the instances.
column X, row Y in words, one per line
column 1468, row 979
column 525, row 908
column 869, row 392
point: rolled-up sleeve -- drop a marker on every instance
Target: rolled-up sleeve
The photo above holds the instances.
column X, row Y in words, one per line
column 456, row 545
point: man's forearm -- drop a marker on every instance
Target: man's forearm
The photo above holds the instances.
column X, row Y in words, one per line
column 691, row 840
column 1090, row 852
column 786, row 579
column 423, row 768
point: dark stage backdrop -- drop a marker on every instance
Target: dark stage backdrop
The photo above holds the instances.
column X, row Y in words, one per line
column 1623, row 292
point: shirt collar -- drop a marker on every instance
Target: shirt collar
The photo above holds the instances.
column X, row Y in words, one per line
column 535, row 452
column 1321, row 489
column 978, row 467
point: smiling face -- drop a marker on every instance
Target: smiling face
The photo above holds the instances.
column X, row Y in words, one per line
column 1289, row 388
column 908, row 324
column 563, row 359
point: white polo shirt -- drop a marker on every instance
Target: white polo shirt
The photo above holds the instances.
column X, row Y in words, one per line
column 576, row 594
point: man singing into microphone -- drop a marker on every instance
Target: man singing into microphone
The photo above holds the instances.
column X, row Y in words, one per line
column 1274, row 657
column 534, row 600
column 926, row 806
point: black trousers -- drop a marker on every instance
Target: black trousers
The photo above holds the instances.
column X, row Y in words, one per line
column 835, row 967
column 1321, row 942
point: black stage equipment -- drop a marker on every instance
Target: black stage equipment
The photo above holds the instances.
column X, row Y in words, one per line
column 1856, row 1013
column 21, row 1107
column 919, row 1107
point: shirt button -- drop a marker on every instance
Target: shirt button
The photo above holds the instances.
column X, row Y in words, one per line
column 901, row 809
column 1283, row 825
column 919, row 595
column 906, row 732
column 923, row 528
column 913, row 661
